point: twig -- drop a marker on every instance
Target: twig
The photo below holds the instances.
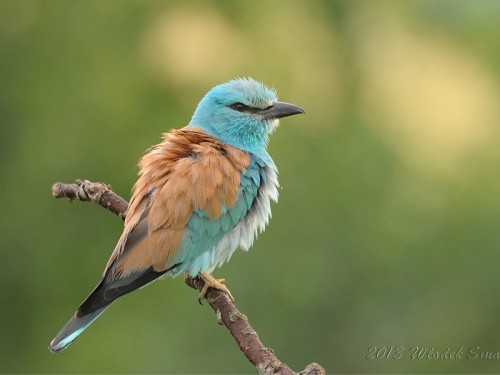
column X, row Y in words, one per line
column 97, row 192
column 226, row 311
column 247, row 339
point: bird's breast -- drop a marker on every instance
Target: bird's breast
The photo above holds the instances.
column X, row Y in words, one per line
column 240, row 224
column 209, row 242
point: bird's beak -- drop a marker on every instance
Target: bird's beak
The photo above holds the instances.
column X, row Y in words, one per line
column 279, row 110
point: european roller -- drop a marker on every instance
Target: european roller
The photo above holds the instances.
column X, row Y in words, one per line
column 203, row 192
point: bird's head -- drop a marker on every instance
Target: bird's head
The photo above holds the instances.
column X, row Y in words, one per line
column 242, row 113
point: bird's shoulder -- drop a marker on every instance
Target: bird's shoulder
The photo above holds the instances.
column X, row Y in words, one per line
column 190, row 168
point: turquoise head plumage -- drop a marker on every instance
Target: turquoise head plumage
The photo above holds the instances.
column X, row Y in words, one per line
column 242, row 113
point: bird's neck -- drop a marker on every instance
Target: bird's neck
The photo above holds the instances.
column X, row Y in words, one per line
column 255, row 144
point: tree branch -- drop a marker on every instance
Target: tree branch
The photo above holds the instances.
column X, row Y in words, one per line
column 226, row 311
column 96, row 192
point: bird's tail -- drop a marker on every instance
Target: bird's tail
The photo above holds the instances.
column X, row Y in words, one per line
column 107, row 291
column 73, row 328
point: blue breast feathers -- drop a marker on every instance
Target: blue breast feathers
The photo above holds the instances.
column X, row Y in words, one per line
column 209, row 243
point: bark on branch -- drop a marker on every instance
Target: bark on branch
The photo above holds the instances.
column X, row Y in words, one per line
column 97, row 192
column 226, row 311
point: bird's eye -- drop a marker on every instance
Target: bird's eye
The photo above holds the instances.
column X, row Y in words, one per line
column 240, row 107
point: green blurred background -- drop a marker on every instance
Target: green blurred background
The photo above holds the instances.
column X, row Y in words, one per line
column 388, row 228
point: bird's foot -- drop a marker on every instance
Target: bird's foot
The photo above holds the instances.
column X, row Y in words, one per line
column 211, row 282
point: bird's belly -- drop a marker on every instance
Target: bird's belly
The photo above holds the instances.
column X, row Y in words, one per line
column 208, row 243
column 202, row 252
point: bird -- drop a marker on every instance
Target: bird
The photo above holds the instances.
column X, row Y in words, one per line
column 201, row 194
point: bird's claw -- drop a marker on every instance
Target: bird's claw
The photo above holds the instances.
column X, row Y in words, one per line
column 211, row 282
